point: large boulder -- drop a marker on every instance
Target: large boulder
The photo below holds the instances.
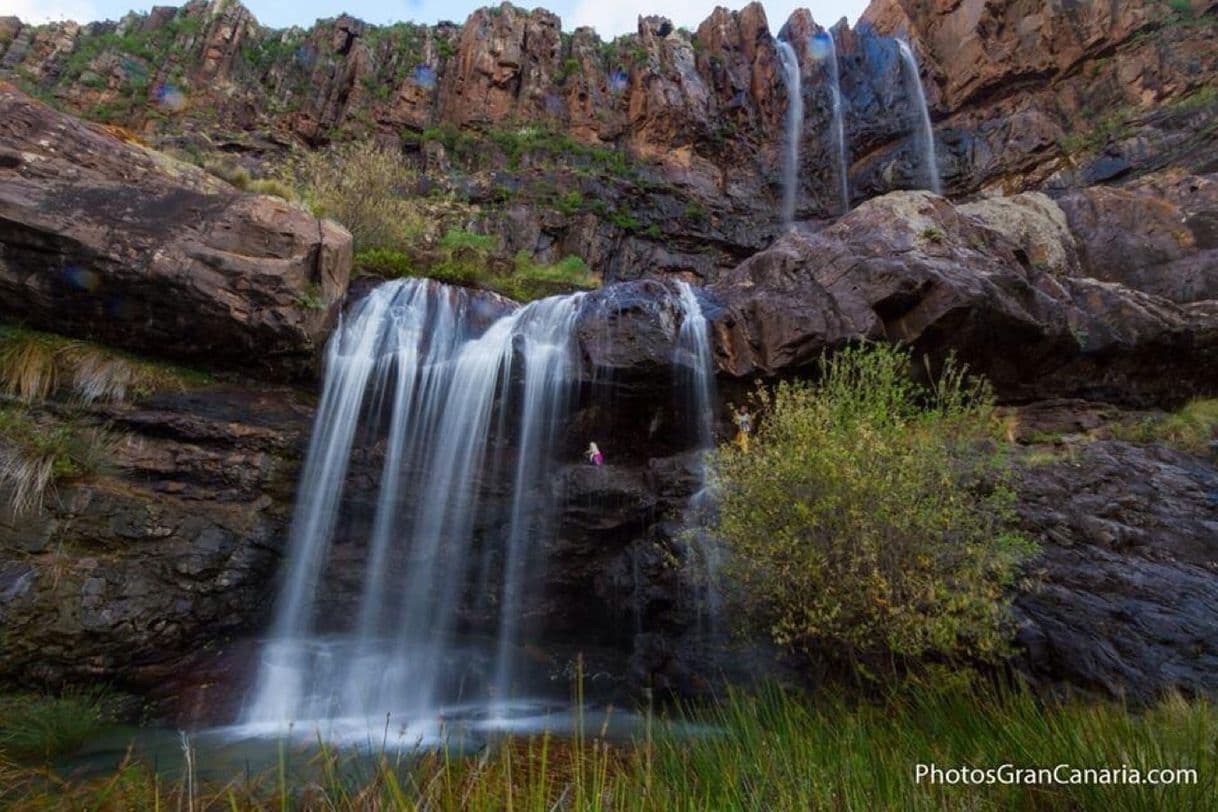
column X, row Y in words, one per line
column 1159, row 235
column 911, row 267
column 103, row 238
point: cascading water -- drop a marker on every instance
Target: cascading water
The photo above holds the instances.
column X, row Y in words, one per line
column 825, row 48
column 465, row 400
column 926, row 133
column 795, row 119
column 697, row 380
column 455, row 396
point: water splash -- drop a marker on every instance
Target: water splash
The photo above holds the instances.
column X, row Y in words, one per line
column 794, row 129
column 827, row 50
column 926, row 133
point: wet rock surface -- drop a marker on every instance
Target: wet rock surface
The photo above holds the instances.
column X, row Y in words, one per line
column 137, row 576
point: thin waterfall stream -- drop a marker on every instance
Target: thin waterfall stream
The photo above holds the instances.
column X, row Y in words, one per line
column 926, row 132
column 826, row 48
column 794, row 129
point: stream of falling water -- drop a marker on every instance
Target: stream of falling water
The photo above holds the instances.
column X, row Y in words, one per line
column 794, row 129
column 459, row 394
column 926, row 133
column 826, row 48
column 696, row 373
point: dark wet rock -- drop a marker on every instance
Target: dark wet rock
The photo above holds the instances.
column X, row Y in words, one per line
column 136, row 575
column 1123, row 599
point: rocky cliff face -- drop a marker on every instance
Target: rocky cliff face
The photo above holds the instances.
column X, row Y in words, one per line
column 112, row 241
column 1077, row 258
column 1023, row 95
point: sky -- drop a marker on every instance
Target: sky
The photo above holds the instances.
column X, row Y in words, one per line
column 608, row 17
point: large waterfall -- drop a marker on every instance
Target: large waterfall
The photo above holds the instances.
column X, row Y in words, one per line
column 457, row 393
column 795, row 120
column 926, row 133
column 826, row 48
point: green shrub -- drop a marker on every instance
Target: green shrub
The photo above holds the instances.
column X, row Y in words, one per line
column 530, row 280
column 570, row 203
column 933, row 234
column 860, row 529
column 273, row 187
column 1191, row 429
column 367, row 188
column 386, row 262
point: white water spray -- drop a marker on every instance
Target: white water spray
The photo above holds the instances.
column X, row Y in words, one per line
column 696, row 371
column 926, row 133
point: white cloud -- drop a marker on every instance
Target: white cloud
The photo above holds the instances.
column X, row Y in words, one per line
column 613, row 17
column 41, row 11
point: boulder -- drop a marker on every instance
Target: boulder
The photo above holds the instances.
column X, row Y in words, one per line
column 103, row 238
column 1159, row 234
column 911, row 267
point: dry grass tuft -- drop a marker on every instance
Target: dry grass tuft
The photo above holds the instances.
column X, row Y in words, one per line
column 36, row 365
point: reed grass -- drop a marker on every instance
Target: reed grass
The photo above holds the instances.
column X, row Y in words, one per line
column 770, row 750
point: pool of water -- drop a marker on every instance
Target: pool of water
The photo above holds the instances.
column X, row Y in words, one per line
column 229, row 752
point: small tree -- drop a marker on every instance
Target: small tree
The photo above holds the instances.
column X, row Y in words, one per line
column 867, row 525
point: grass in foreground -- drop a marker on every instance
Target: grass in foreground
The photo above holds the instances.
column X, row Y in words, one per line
column 771, row 751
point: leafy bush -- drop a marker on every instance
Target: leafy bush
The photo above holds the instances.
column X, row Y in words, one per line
column 530, row 280
column 866, row 525
column 386, row 262
column 365, row 187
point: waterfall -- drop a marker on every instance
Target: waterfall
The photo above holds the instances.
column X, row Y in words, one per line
column 926, row 133
column 829, row 50
column 795, row 119
column 457, row 392
column 696, row 379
